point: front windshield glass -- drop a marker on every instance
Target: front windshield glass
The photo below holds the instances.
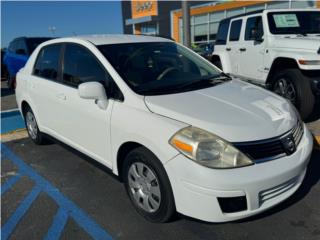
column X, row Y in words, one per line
column 153, row 68
column 294, row 22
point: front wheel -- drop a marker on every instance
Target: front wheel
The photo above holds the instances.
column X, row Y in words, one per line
column 294, row 86
column 148, row 186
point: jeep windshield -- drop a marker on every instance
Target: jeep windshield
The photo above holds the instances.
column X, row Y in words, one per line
column 155, row 68
column 294, row 22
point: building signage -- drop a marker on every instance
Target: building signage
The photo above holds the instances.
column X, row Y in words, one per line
column 144, row 8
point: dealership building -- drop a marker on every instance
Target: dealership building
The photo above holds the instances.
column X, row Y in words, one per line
column 164, row 18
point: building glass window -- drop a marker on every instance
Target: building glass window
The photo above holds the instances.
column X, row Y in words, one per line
column 201, row 32
column 278, row 5
column 216, row 16
column 255, row 8
column 213, row 30
column 149, row 28
column 303, row 4
column 235, row 12
column 201, row 19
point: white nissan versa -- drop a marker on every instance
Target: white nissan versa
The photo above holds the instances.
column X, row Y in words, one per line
column 182, row 135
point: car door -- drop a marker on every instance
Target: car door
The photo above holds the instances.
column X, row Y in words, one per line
column 81, row 122
column 253, row 50
column 233, row 45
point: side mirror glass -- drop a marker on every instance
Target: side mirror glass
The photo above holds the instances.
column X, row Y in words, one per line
column 95, row 91
column 21, row 52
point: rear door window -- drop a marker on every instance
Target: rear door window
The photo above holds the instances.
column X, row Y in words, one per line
column 47, row 64
column 235, row 30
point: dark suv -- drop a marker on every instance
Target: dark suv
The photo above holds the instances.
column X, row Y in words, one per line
column 17, row 55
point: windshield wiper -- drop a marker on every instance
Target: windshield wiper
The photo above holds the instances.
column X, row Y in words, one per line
column 205, row 81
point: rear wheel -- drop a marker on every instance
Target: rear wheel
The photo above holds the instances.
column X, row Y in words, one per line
column 32, row 127
column 217, row 63
column 294, row 86
column 148, row 186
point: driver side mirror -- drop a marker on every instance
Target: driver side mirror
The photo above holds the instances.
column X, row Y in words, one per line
column 256, row 35
column 95, row 91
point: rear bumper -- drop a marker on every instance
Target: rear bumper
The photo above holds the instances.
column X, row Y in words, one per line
column 263, row 185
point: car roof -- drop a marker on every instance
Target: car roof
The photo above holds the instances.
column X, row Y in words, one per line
column 267, row 10
column 120, row 38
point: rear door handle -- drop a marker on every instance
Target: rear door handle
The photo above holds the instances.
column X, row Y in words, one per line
column 228, row 49
column 61, row 96
column 242, row 49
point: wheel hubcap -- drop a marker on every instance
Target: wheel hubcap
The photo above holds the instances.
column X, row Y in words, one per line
column 285, row 88
column 31, row 125
column 144, row 186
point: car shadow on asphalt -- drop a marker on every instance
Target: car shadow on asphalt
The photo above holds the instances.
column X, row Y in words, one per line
column 315, row 115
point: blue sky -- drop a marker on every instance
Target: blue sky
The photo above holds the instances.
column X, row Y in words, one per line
column 34, row 18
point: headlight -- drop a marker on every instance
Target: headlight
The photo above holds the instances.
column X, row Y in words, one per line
column 208, row 149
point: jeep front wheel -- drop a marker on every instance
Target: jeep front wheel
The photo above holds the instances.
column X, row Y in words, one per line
column 294, row 86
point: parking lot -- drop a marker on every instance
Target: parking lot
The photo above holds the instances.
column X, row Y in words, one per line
column 54, row 192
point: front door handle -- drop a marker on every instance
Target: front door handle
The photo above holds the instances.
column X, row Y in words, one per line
column 228, row 49
column 61, row 96
column 242, row 49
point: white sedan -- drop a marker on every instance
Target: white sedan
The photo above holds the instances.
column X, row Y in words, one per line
column 179, row 133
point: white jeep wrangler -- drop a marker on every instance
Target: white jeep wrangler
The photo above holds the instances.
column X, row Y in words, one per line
column 279, row 49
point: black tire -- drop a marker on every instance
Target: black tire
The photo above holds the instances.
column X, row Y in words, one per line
column 304, row 100
column 167, row 205
column 217, row 63
column 36, row 136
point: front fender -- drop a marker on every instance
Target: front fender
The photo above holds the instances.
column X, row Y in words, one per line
column 295, row 55
column 129, row 124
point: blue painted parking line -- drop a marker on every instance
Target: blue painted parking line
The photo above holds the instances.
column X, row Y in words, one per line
column 9, row 226
column 58, row 224
column 9, row 183
column 10, row 121
column 66, row 207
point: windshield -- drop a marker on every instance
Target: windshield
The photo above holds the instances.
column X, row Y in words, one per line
column 154, row 68
column 294, row 22
column 32, row 43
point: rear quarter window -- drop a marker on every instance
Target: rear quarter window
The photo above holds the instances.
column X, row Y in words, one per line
column 47, row 63
column 222, row 34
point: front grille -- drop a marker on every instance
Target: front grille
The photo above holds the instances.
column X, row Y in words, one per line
column 274, row 147
column 273, row 192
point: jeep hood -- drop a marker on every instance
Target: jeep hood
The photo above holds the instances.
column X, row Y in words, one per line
column 297, row 42
column 235, row 111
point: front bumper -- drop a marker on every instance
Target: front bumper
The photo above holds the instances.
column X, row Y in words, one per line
column 197, row 189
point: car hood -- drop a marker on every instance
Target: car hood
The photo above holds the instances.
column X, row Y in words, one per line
column 311, row 42
column 235, row 111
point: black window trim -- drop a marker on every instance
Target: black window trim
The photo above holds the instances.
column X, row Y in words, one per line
column 59, row 79
column 230, row 28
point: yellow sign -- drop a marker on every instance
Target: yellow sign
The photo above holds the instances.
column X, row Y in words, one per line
column 144, row 8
